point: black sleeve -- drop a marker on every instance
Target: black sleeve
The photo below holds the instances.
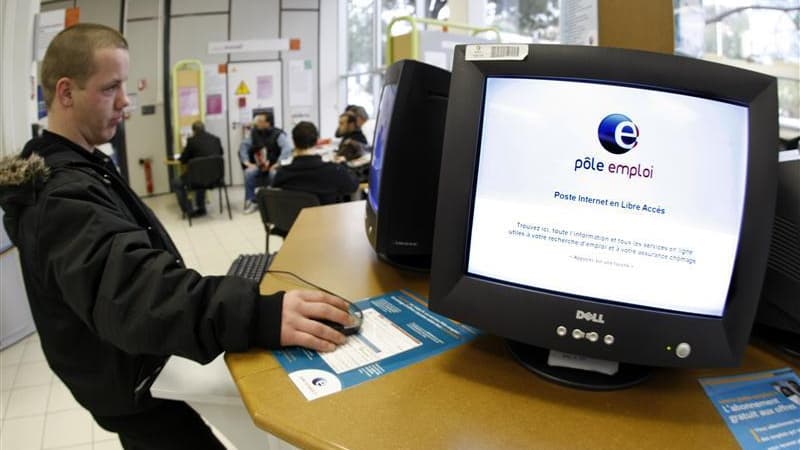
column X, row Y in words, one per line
column 220, row 150
column 258, row 141
column 280, row 178
column 139, row 298
column 346, row 181
column 187, row 152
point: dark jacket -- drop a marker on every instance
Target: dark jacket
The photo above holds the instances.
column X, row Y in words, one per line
column 199, row 145
column 356, row 135
column 266, row 139
column 329, row 181
column 109, row 292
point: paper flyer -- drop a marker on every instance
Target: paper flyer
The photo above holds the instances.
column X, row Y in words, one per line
column 397, row 331
column 762, row 409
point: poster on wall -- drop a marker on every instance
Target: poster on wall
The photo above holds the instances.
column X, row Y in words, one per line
column 48, row 25
column 299, row 114
column 264, row 88
column 300, row 83
column 41, row 106
column 579, row 23
column 214, row 79
column 187, row 101
column 214, row 105
column 133, row 102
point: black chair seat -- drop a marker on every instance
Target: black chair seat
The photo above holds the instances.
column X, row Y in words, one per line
column 207, row 172
column 279, row 209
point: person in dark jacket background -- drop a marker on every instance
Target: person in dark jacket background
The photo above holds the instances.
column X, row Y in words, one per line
column 349, row 131
column 202, row 143
column 109, row 292
column 309, row 173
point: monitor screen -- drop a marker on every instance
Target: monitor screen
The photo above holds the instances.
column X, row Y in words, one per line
column 381, row 133
column 613, row 199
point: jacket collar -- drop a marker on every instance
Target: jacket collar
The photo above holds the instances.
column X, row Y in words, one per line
column 306, row 161
column 52, row 146
column 23, row 175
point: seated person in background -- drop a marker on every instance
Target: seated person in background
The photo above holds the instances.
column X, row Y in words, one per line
column 202, row 143
column 308, row 173
column 357, row 157
column 268, row 146
column 362, row 120
column 349, row 131
column 244, row 150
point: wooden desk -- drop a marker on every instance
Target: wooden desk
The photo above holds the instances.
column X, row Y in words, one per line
column 474, row 396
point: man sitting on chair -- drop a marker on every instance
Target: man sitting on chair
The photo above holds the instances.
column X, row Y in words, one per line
column 202, row 143
column 308, row 173
column 268, row 145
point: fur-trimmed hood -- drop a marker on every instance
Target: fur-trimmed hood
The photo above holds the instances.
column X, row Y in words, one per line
column 20, row 181
column 20, row 178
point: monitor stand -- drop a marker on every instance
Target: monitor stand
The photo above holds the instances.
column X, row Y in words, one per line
column 535, row 359
column 414, row 263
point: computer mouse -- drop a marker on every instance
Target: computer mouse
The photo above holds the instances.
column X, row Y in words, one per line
column 356, row 317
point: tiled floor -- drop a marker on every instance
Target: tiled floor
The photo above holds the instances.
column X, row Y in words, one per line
column 36, row 410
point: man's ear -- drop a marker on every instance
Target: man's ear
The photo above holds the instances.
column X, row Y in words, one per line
column 64, row 91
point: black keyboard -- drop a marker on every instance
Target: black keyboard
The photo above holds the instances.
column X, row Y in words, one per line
column 251, row 267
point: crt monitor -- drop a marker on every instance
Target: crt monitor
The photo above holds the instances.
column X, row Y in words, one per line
column 605, row 208
column 404, row 173
column 778, row 318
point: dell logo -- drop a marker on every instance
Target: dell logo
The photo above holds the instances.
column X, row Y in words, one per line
column 589, row 316
column 617, row 133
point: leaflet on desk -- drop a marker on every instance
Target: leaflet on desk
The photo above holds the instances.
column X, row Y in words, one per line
column 397, row 331
column 762, row 409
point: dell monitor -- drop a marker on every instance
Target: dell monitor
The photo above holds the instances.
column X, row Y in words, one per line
column 778, row 318
column 605, row 209
column 404, row 173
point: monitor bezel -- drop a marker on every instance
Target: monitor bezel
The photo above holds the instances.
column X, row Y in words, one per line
column 716, row 341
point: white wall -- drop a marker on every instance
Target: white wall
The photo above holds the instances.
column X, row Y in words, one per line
column 17, row 113
column 145, row 135
column 17, row 108
column 329, row 64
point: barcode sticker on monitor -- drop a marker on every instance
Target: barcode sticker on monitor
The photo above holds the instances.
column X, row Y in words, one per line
column 496, row 52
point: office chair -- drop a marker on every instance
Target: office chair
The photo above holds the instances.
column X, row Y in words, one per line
column 279, row 209
column 207, row 172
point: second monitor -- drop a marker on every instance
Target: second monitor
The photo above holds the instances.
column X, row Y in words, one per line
column 404, row 175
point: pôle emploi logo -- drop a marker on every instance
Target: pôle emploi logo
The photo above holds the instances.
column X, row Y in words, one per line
column 618, row 134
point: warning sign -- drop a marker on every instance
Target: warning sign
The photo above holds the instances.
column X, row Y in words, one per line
column 242, row 89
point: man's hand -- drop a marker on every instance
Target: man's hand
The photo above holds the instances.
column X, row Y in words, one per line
column 298, row 326
column 249, row 165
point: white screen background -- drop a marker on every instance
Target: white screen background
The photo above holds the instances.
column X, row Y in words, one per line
column 533, row 132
